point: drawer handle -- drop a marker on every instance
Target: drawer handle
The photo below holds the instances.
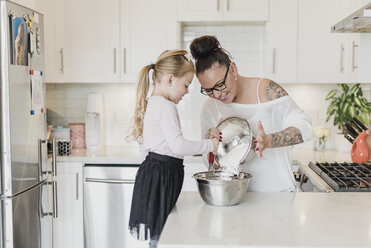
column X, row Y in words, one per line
column 354, row 66
column 110, row 180
column 77, row 186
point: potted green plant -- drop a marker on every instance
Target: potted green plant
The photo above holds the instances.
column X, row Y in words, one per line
column 350, row 103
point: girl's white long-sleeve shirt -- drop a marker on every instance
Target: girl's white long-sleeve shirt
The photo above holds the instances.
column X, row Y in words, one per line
column 162, row 132
column 274, row 172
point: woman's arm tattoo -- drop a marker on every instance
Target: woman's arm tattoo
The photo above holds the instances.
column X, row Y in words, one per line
column 273, row 91
column 289, row 136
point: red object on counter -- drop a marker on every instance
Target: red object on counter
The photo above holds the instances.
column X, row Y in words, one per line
column 360, row 152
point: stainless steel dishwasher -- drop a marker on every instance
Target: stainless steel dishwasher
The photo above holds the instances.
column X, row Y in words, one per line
column 108, row 191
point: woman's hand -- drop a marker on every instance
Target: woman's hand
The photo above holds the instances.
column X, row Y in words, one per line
column 213, row 133
column 261, row 141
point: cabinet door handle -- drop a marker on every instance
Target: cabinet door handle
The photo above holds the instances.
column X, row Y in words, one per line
column 274, row 60
column 114, row 60
column 124, row 55
column 218, row 5
column 342, row 58
column 54, row 157
column 55, row 200
column 62, row 64
column 227, row 5
column 77, row 186
column 354, row 46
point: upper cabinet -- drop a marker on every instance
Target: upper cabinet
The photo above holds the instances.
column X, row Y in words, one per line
column 280, row 48
column 146, row 31
column 87, row 41
column 325, row 57
column 223, row 10
column 110, row 41
column 364, row 72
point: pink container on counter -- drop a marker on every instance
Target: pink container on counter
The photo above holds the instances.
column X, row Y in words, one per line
column 77, row 135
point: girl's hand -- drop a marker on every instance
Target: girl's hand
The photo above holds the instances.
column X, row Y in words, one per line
column 213, row 133
column 261, row 141
column 215, row 144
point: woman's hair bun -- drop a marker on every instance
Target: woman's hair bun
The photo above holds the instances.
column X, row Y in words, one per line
column 203, row 46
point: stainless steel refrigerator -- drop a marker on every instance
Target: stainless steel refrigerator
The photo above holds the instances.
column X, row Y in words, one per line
column 27, row 200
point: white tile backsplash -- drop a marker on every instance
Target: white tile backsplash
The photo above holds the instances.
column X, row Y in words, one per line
column 120, row 103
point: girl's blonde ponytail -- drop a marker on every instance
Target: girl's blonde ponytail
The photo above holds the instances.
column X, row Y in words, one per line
column 176, row 62
column 141, row 104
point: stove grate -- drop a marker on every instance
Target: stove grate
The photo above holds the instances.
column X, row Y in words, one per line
column 345, row 177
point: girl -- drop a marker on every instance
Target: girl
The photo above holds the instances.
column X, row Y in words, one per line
column 160, row 177
column 276, row 121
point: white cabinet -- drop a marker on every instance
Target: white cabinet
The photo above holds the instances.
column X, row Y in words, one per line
column 280, row 48
column 223, row 10
column 147, row 29
column 364, row 72
column 87, row 41
column 325, row 57
column 110, row 41
column 245, row 10
column 68, row 226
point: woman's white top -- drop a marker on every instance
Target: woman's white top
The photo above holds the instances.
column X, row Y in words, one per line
column 162, row 133
column 274, row 172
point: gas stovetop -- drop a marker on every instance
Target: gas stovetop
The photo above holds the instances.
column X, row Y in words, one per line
column 345, row 177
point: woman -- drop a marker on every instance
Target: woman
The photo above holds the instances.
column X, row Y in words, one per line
column 276, row 121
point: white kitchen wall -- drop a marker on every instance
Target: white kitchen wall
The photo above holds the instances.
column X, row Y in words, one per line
column 66, row 104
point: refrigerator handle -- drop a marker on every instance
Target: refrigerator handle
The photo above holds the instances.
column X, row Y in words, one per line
column 54, row 213
column 42, row 213
column 41, row 172
column 54, row 158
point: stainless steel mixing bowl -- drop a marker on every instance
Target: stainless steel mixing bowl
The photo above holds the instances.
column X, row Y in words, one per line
column 215, row 190
column 236, row 132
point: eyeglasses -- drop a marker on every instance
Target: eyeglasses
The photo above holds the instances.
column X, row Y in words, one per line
column 217, row 87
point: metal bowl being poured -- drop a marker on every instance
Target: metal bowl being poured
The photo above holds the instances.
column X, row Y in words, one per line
column 236, row 146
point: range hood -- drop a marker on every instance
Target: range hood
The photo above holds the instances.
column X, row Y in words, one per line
column 358, row 22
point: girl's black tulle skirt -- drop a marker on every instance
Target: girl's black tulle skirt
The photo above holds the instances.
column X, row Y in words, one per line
column 157, row 187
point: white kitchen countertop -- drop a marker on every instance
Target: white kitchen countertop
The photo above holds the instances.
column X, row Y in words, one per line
column 107, row 154
column 271, row 220
column 114, row 155
column 131, row 155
